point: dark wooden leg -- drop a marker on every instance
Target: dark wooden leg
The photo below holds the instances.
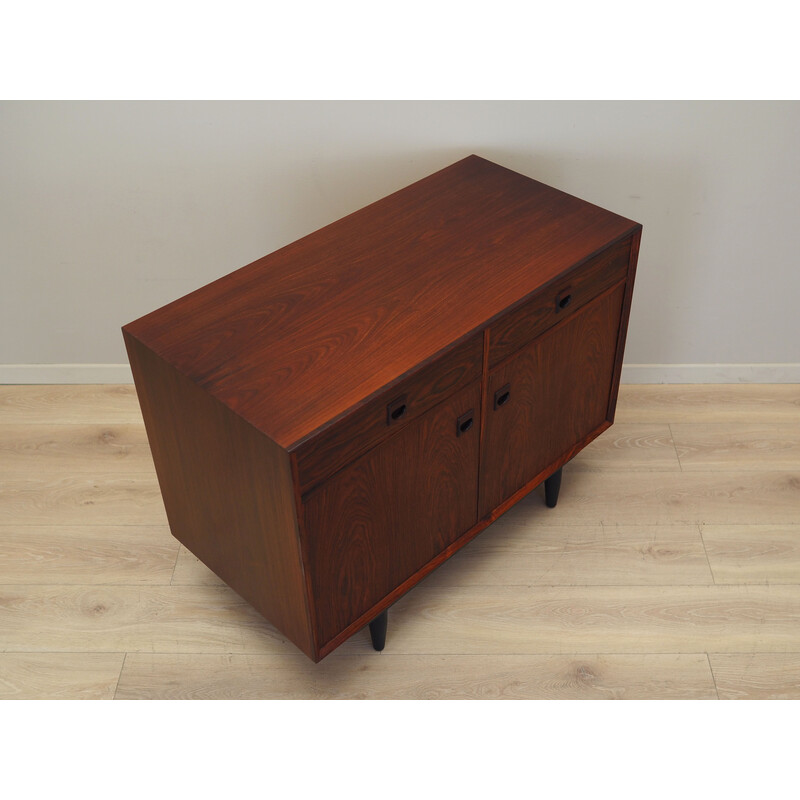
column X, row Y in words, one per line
column 377, row 630
column 551, row 487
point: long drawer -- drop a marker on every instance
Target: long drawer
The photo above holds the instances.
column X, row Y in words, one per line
column 401, row 402
column 557, row 301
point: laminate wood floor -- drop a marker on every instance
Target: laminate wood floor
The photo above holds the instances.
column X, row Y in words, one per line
column 670, row 569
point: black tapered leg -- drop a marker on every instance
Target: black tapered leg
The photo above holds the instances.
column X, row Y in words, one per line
column 377, row 630
column 551, row 487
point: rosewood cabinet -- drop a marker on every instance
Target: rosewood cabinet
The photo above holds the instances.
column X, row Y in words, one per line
column 333, row 421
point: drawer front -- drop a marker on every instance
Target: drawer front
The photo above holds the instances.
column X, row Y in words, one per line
column 349, row 437
column 560, row 300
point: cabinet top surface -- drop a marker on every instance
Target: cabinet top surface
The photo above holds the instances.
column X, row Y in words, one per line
column 301, row 336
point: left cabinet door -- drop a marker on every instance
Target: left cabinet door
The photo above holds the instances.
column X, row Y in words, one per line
column 374, row 523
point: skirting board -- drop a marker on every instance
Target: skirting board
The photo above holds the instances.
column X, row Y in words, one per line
column 631, row 373
column 710, row 373
column 65, row 373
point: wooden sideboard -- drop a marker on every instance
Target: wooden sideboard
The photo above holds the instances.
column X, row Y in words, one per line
column 335, row 420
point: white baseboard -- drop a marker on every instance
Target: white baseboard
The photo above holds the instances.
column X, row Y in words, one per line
column 65, row 373
column 631, row 373
column 711, row 373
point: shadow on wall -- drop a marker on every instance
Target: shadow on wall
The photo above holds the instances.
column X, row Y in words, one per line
column 328, row 189
column 667, row 198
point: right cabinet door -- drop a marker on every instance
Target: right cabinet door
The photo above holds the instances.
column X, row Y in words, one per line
column 547, row 397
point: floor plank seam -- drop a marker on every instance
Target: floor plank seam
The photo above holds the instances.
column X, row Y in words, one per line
column 384, row 654
column 104, row 473
column 174, row 567
column 708, row 560
column 371, row 654
column 674, row 446
column 689, row 520
column 431, row 588
column 713, row 677
column 119, row 677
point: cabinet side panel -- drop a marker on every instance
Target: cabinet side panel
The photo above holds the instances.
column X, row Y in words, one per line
column 623, row 325
column 228, row 493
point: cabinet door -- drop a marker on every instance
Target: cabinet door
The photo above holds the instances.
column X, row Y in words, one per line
column 545, row 399
column 377, row 521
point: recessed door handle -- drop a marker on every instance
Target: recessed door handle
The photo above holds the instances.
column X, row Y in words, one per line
column 563, row 300
column 396, row 410
column 465, row 422
column 502, row 396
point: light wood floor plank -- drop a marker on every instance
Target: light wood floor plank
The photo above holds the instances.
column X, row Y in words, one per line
column 71, row 449
column 507, row 554
column 738, row 446
column 191, row 571
column 34, row 498
column 499, row 620
column 196, row 619
column 757, row 676
column 91, row 404
column 605, row 619
column 511, row 554
column 630, row 447
column 753, row 553
column 165, row 676
column 749, row 403
column 608, row 595
column 666, row 498
column 59, row 676
column 91, row 554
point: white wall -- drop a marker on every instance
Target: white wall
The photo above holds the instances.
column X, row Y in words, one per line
column 110, row 209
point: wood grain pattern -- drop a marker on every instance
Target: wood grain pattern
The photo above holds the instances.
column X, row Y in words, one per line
column 339, row 444
column 268, row 394
column 582, row 283
column 59, row 676
column 55, row 404
column 756, row 676
column 176, row 619
column 369, row 297
column 209, row 643
column 544, row 417
column 157, row 676
column 92, row 449
column 460, row 542
column 736, row 446
column 669, row 498
column 696, row 403
column 378, row 521
column 33, row 498
column 229, row 494
column 753, row 553
column 87, row 554
column 509, row 554
column 628, row 447
column 598, row 619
